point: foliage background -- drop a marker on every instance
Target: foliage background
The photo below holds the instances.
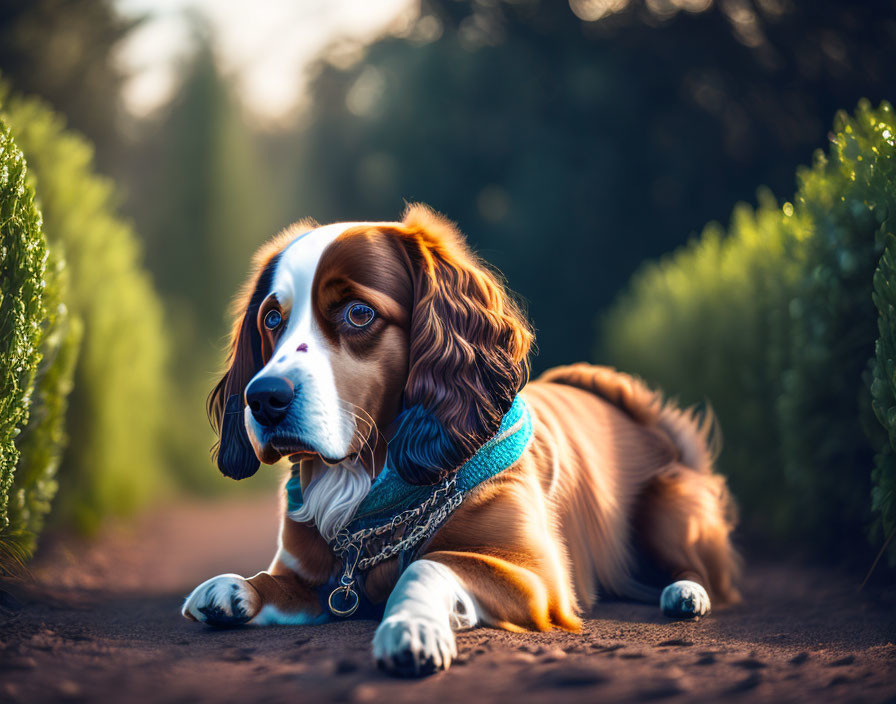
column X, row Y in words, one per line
column 113, row 461
column 573, row 141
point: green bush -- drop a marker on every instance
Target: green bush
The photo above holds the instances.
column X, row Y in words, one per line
column 775, row 326
column 43, row 439
column 707, row 323
column 23, row 310
column 883, row 392
column 114, row 460
column 849, row 197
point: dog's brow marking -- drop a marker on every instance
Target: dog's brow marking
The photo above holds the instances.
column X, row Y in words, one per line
column 302, row 348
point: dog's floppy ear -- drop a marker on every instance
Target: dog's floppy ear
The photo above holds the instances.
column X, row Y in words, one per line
column 469, row 348
column 233, row 452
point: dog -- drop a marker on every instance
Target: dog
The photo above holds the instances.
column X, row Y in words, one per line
column 432, row 485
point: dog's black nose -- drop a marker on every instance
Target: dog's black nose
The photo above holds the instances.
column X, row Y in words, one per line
column 268, row 398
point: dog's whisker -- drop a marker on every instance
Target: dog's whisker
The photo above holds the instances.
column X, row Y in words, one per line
column 374, row 431
column 369, row 436
column 363, row 438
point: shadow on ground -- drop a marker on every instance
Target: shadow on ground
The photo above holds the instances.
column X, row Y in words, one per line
column 102, row 623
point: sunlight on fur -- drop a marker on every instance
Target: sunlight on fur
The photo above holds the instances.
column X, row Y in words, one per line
column 332, row 496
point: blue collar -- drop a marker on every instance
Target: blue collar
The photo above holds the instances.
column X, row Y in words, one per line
column 390, row 494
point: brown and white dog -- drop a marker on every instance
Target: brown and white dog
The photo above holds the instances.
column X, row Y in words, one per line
column 358, row 341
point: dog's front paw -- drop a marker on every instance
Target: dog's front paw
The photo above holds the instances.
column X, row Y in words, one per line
column 225, row 600
column 409, row 645
column 684, row 599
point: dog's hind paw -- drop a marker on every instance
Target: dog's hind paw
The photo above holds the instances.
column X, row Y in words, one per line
column 684, row 599
column 413, row 646
column 225, row 600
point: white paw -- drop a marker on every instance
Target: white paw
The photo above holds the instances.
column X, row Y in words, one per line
column 225, row 600
column 410, row 645
column 684, row 599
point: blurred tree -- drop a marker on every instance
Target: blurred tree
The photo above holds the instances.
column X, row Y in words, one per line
column 63, row 50
column 204, row 206
column 570, row 150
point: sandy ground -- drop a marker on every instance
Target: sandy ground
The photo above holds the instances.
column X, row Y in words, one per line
column 102, row 624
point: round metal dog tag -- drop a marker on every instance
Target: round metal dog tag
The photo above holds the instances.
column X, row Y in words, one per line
column 343, row 601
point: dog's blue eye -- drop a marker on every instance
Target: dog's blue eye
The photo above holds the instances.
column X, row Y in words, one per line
column 273, row 319
column 359, row 315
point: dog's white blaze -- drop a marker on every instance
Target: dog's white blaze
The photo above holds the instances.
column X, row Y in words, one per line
column 323, row 422
column 427, row 605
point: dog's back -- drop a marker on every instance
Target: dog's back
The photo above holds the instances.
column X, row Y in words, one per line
column 625, row 464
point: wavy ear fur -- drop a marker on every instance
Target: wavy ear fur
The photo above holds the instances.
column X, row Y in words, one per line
column 233, row 452
column 469, row 346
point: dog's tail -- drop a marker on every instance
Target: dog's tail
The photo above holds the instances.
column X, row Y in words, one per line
column 695, row 434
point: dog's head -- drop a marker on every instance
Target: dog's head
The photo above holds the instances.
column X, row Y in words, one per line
column 350, row 327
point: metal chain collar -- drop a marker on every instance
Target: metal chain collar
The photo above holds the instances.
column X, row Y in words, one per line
column 350, row 546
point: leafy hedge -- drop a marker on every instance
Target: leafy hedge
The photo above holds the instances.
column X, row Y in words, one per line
column 114, row 459
column 883, row 393
column 43, row 439
column 786, row 325
column 31, row 330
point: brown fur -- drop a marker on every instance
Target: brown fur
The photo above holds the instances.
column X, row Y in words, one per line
column 468, row 343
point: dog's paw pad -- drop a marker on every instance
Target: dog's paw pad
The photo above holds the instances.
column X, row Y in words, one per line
column 684, row 599
column 225, row 600
column 407, row 663
column 411, row 646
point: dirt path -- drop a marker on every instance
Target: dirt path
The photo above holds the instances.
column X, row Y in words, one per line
column 114, row 634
